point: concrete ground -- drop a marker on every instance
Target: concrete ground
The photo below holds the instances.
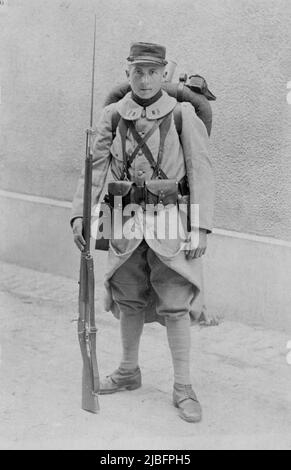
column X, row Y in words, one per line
column 240, row 374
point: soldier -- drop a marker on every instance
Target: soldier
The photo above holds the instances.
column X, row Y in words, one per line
column 149, row 278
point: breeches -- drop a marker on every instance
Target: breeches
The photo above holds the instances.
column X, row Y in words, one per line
column 143, row 274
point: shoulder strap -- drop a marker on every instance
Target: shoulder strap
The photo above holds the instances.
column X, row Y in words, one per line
column 123, row 126
column 142, row 144
column 178, row 118
column 115, row 118
column 164, row 129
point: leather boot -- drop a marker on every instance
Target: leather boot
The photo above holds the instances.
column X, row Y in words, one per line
column 186, row 401
column 121, row 379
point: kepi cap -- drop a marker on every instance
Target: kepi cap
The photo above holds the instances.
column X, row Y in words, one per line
column 147, row 53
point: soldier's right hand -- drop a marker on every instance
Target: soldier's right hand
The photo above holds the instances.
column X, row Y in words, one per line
column 78, row 233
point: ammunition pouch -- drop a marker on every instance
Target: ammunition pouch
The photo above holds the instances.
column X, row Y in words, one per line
column 154, row 192
column 158, row 191
column 163, row 192
column 120, row 189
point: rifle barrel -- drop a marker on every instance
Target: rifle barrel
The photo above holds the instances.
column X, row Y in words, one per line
column 88, row 162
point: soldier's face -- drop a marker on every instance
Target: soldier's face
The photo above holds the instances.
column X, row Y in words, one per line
column 145, row 80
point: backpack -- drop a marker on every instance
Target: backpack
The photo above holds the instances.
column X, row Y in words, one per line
column 195, row 92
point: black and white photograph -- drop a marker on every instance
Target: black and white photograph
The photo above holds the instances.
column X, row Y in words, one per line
column 145, row 243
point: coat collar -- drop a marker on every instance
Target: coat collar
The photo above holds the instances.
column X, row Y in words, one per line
column 130, row 110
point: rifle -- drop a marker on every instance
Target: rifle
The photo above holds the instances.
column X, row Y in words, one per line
column 86, row 321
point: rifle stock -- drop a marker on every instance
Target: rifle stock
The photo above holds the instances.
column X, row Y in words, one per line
column 87, row 335
column 86, row 322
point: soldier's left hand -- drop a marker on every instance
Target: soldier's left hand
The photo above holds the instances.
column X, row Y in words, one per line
column 197, row 250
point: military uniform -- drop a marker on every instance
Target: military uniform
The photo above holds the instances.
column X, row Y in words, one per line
column 149, row 276
column 189, row 154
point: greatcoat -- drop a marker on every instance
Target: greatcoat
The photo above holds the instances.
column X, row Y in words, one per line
column 184, row 154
